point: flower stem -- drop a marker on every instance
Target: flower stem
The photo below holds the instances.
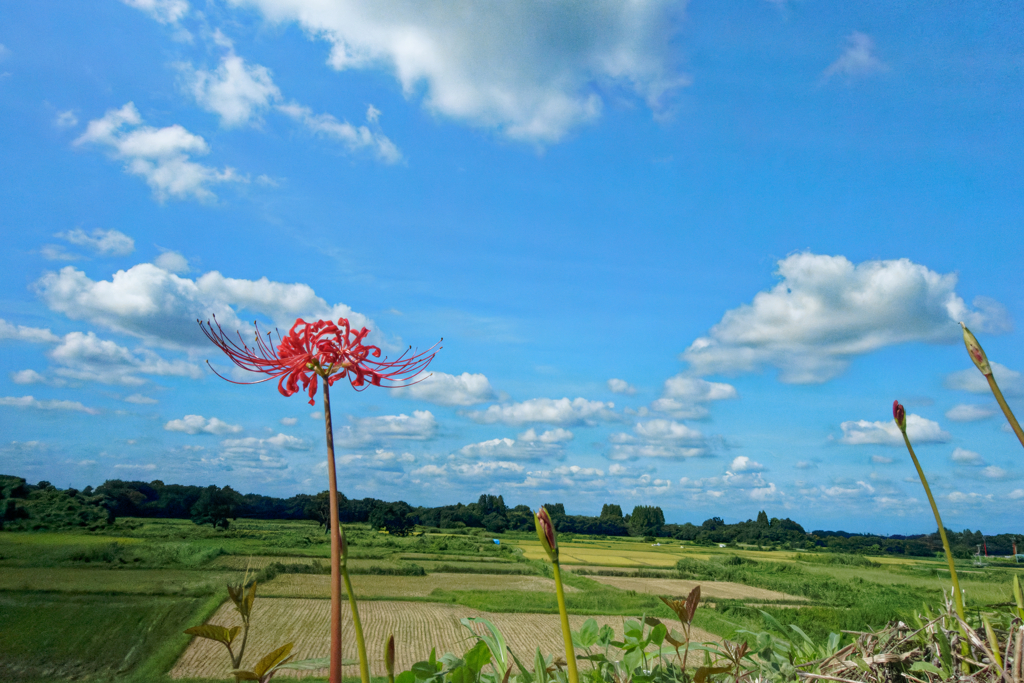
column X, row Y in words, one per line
column 570, row 652
column 958, row 597
column 332, row 479
column 364, row 669
column 1006, row 409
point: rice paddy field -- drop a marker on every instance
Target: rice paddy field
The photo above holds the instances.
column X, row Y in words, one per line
column 112, row 607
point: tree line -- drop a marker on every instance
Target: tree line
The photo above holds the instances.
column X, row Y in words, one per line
column 42, row 506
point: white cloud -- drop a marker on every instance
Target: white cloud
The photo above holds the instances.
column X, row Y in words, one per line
column 139, row 468
column 103, row 242
column 87, row 357
column 621, row 386
column 966, row 457
column 236, row 91
column 470, row 471
column 172, row 262
column 859, row 59
column 881, row 460
column 678, row 409
column 860, row 489
column 355, row 138
column 28, row 377
column 66, row 119
column 141, row 400
column 658, row 438
column 162, row 156
column 560, row 411
column 969, row 498
column 994, row 472
column 617, row 470
column 1010, row 381
column 532, row 70
column 56, row 252
column 280, row 441
column 149, row 302
column 449, row 390
column 195, row 424
column 693, row 390
column 164, row 11
column 805, row 465
column 557, row 435
column 420, row 425
column 763, row 493
column 289, row 421
column 742, row 463
column 36, row 335
column 827, row 310
column 30, row 402
column 919, row 430
column 965, row 412
column 1016, row 494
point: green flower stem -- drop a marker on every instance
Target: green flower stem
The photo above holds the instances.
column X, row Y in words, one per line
column 364, row 668
column 1006, row 409
column 335, row 674
column 570, row 651
column 958, row 596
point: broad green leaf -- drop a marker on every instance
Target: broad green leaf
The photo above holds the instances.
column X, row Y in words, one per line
column 631, row 660
column 273, row 659
column 945, row 652
column 540, row 668
column 478, row 657
column 587, row 635
column 703, row 672
column 214, row 632
column 927, row 667
column 605, row 635
column 658, row 634
column 524, row 675
column 250, row 598
column 424, row 670
column 405, row 677
column 495, row 641
column 1018, row 596
column 462, row 674
column 801, row 633
column 861, row 664
column 632, row 629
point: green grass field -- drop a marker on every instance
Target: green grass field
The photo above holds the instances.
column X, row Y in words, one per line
column 99, row 607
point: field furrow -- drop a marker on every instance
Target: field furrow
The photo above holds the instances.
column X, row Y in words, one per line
column 417, row 626
column 708, row 589
column 372, row 586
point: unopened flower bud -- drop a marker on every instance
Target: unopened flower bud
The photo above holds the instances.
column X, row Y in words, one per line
column 900, row 415
column 344, row 546
column 546, row 534
column 389, row 656
column 975, row 351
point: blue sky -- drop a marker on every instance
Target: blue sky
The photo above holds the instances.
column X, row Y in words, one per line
column 680, row 254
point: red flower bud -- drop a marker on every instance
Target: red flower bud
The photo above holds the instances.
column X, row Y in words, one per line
column 900, row 415
column 546, row 534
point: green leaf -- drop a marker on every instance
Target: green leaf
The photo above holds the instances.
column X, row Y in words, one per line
column 214, row 632
column 478, row 657
column 632, row 629
column 462, row 674
column 271, row 660
column 945, row 652
column 803, row 635
column 495, row 641
column 405, row 677
column 658, row 634
column 605, row 635
column 540, row 668
column 524, row 675
column 309, row 664
column 703, row 672
column 241, row 675
column 927, row 667
column 587, row 635
column 631, row 660
column 424, row 670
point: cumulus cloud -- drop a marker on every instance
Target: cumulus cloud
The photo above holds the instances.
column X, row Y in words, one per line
column 1016, row 494
column 472, row 471
column 172, row 262
column 529, row 446
column 683, row 396
column 28, row 377
column 994, row 472
column 162, row 156
column 533, row 70
column 449, row 390
column 196, row 424
column 1011, row 382
column 35, row 335
column 66, row 119
column 282, row 441
column 289, row 421
column 857, row 490
column 827, row 310
column 742, row 463
column 621, row 386
column 420, row 426
column 561, row 411
column 149, row 302
column 966, row 457
column 84, row 356
column 881, row 460
column 965, row 412
column 658, row 438
column 355, row 138
column 236, row 91
column 99, row 241
column 164, row 11
column 561, row 478
column 920, row 431
column 30, row 402
column 141, row 400
column 858, row 60
column 557, row 435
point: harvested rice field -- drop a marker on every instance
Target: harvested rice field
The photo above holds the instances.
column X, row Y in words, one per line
column 708, row 589
column 631, row 557
column 416, row 557
column 372, row 586
column 417, row 627
column 257, row 562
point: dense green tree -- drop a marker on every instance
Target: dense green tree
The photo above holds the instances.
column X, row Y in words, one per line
column 646, row 520
column 611, row 510
column 216, row 506
column 393, row 518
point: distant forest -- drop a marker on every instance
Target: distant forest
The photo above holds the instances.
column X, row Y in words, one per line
column 42, row 506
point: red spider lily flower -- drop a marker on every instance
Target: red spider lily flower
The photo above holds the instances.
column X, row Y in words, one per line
column 321, row 349
column 546, row 533
column 900, row 415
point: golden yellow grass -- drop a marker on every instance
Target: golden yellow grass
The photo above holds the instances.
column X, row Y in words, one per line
column 372, row 586
column 417, row 626
column 708, row 589
column 77, row 580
